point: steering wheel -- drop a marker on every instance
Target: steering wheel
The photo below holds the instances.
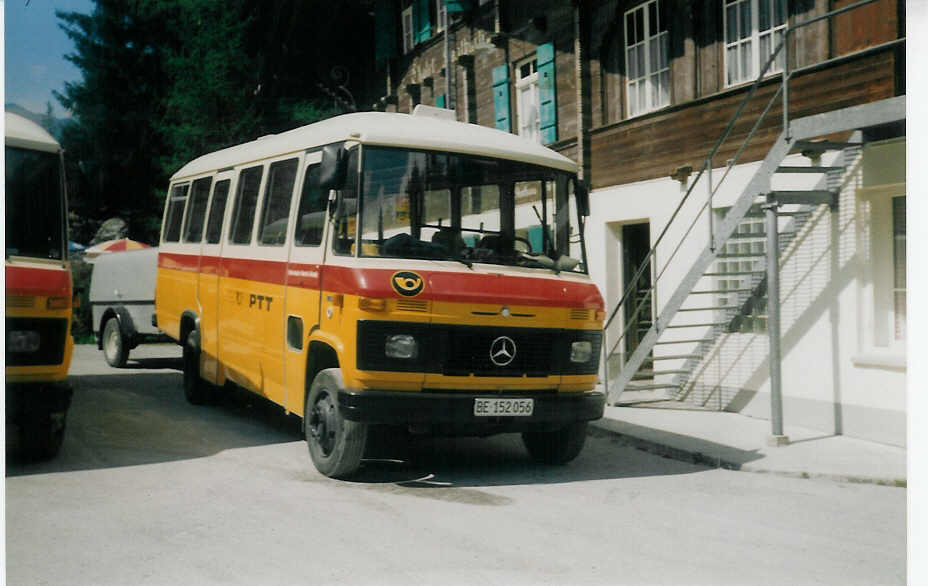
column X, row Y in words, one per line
column 525, row 241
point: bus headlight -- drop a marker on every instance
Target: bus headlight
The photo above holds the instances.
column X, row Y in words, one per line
column 22, row 341
column 401, row 346
column 581, row 351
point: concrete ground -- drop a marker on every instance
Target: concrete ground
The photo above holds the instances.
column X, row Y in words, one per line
column 151, row 490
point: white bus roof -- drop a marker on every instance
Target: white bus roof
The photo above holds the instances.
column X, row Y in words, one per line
column 24, row 133
column 385, row 129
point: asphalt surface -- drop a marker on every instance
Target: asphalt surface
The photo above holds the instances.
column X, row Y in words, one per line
column 151, row 490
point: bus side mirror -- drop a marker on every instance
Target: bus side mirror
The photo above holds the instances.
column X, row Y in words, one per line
column 334, row 167
column 583, row 198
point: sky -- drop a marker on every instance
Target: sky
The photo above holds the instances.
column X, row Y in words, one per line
column 34, row 52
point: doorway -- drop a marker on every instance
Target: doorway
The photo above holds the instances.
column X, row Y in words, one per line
column 636, row 243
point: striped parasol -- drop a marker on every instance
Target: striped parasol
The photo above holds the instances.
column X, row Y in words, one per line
column 120, row 245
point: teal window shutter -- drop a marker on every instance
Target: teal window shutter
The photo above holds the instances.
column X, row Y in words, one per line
column 421, row 23
column 384, row 31
column 547, row 93
column 501, row 97
column 455, row 6
column 440, row 101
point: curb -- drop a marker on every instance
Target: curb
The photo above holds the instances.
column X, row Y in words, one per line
column 665, row 450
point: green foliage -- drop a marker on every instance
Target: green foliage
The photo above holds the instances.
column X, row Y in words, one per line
column 165, row 81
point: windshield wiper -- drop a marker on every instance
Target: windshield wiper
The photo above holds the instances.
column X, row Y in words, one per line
column 461, row 260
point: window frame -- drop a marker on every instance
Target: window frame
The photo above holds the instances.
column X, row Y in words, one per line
column 270, row 197
column 191, row 213
column 654, row 99
column 441, row 16
column 212, row 215
column 753, row 40
column 166, row 228
column 236, row 205
column 311, row 171
column 407, row 25
column 528, row 85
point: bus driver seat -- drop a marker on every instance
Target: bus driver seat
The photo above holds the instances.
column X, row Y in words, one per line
column 450, row 240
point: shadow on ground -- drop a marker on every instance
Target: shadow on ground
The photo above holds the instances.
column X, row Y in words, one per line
column 130, row 417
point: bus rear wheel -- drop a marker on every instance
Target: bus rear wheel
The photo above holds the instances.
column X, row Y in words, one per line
column 336, row 444
column 196, row 389
column 556, row 447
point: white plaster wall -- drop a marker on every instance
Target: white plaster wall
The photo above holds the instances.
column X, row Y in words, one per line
column 836, row 377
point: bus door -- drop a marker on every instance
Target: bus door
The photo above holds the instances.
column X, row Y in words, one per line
column 208, row 286
column 304, row 271
column 264, row 305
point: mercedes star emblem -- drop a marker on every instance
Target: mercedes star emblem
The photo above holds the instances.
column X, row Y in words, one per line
column 502, row 351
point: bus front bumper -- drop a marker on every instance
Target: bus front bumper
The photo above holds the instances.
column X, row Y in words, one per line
column 456, row 410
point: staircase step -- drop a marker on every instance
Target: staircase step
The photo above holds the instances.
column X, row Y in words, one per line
column 789, row 169
column 716, row 308
column 654, row 387
column 821, row 146
column 722, row 291
column 652, row 373
column 757, row 255
column 810, row 197
column 691, row 341
column 677, row 357
column 704, row 325
column 733, row 273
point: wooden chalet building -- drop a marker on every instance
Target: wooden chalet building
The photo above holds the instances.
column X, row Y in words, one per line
column 689, row 157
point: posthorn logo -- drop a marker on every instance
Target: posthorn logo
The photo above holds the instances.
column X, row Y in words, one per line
column 407, row 283
column 502, row 351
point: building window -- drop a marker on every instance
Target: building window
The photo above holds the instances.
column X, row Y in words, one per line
column 527, row 99
column 753, row 29
column 408, row 38
column 647, row 61
column 899, row 284
column 441, row 15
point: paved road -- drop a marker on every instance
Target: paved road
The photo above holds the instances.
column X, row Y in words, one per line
column 151, row 490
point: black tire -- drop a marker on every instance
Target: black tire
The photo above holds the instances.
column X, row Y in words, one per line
column 115, row 346
column 196, row 389
column 336, row 445
column 556, row 447
column 41, row 435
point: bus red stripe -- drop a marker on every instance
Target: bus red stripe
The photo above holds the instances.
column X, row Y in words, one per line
column 458, row 287
column 23, row 281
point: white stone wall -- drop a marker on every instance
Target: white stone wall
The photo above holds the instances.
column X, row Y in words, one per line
column 842, row 371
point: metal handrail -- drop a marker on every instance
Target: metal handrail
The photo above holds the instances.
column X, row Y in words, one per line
column 707, row 166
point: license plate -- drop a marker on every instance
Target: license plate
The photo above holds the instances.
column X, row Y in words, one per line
column 493, row 407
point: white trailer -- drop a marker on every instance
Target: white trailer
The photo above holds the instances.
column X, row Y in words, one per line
column 122, row 297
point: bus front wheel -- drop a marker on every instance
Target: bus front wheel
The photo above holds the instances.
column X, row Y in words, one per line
column 336, row 444
column 556, row 447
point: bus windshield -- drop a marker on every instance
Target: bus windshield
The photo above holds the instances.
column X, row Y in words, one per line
column 446, row 206
column 34, row 210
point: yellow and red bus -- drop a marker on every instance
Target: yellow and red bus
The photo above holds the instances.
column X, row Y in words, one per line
column 385, row 269
column 39, row 294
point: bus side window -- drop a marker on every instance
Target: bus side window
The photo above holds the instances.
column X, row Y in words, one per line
column 277, row 199
column 217, row 211
column 312, row 213
column 243, row 214
column 175, row 214
column 199, row 197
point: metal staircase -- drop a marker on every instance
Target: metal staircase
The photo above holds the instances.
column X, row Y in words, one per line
column 678, row 331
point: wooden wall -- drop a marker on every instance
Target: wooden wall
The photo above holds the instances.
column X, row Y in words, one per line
column 655, row 145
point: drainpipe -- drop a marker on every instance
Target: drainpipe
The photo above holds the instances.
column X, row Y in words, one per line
column 449, row 97
column 581, row 71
